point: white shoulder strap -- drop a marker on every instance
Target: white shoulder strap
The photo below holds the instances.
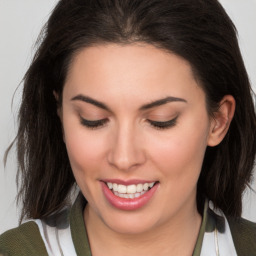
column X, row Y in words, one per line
column 218, row 243
column 56, row 234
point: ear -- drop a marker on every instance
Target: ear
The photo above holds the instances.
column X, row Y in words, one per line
column 59, row 113
column 221, row 120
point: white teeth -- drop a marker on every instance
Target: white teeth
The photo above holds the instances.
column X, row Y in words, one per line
column 110, row 185
column 139, row 187
column 145, row 186
column 122, row 189
column 115, row 187
column 137, row 195
column 130, row 191
column 130, row 196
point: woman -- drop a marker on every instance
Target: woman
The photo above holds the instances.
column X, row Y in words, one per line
column 146, row 107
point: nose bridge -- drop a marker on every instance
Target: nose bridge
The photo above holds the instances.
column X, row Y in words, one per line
column 126, row 151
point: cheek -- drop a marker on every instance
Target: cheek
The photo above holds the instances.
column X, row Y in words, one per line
column 85, row 149
column 180, row 153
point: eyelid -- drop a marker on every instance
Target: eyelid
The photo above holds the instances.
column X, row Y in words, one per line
column 163, row 124
column 93, row 124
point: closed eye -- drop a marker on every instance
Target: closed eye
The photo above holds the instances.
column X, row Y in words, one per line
column 163, row 125
column 93, row 124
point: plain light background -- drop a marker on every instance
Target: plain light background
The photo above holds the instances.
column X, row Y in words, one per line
column 20, row 24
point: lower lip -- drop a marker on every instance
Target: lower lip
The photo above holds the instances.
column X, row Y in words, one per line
column 125, row 203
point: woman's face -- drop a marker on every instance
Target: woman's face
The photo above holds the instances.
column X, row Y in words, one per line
column 134, row 117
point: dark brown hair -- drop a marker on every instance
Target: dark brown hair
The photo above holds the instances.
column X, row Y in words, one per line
column 199, row 31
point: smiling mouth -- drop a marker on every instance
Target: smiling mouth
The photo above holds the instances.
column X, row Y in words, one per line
column 131, row 191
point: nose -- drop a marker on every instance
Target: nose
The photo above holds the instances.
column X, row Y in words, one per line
column 126, row 151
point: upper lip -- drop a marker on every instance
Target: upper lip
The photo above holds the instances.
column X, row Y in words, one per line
column 128, row 182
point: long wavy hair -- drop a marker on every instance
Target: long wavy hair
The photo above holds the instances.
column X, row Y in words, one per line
column 199, row 31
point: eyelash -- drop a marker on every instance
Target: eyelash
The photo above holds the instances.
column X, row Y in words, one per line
column 94, row 124
column 163, row 125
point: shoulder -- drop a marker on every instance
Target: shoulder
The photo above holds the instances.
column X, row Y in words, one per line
column 23, row 240
column 244, row 236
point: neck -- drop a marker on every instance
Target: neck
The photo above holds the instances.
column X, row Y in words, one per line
column 168, row 238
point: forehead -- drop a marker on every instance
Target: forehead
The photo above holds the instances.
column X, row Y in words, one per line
column 133, row 70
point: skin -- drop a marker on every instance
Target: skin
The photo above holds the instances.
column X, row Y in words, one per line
column 128, row 147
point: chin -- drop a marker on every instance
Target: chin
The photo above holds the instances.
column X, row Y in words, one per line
column 130, row 223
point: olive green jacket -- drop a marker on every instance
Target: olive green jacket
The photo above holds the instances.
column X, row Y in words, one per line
column 26, row 239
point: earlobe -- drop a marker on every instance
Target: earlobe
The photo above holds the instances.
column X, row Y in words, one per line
column 221, row 121
column 56, row 96
column 59, row 113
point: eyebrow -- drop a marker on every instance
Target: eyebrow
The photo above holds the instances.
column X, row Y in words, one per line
column 88, row 99
column 152, row 104
column 162, row 102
